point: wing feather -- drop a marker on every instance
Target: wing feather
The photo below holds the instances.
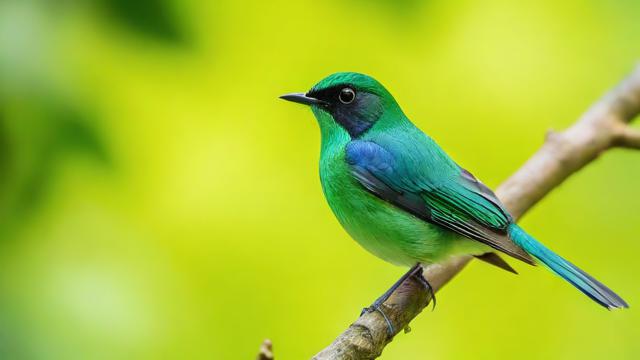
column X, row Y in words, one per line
column 457, row 201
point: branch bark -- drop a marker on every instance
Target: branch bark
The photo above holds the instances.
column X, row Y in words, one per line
column 604, row 126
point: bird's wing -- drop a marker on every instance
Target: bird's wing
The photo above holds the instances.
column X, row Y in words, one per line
column 439, row 193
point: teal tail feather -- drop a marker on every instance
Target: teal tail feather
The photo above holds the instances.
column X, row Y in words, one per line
column 566, row 270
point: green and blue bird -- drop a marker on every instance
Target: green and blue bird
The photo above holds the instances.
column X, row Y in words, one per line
column 400, row 196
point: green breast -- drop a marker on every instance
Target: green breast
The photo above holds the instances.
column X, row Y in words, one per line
column 379, row 227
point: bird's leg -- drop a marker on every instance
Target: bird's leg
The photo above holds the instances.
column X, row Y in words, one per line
column 415, row 270
column 421, row 279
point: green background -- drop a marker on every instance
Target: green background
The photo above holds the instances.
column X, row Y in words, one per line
column 157, row 201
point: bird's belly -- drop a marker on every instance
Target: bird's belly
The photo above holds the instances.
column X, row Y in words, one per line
column 387, row 231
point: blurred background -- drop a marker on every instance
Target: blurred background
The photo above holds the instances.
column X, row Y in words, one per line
column 157, row 201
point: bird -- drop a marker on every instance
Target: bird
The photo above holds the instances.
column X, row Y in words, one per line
column 402, row 198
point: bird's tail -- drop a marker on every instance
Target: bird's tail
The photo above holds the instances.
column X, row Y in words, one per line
column 566, row 270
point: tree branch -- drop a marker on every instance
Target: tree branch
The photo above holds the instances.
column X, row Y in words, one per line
column 605, row 125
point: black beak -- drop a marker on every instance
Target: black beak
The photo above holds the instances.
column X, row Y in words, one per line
column 303, row 99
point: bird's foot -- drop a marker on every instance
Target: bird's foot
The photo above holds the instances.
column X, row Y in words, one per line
column 378, row 307
column 421, row 279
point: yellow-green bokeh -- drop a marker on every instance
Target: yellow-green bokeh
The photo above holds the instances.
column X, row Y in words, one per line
column 160, row 202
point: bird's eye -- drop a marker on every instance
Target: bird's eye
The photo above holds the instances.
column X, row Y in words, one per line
column 347, row 95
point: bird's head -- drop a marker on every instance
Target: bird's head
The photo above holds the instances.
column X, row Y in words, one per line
column 353, row 101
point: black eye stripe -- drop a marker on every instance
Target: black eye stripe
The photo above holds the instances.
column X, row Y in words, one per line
column 330, row 94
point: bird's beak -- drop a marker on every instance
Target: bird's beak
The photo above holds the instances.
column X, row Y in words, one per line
column 303, row 99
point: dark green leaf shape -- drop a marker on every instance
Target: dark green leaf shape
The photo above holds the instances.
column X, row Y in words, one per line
column 155, row 18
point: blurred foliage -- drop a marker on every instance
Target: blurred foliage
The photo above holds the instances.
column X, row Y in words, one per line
column 45, row 137
column 39, row 125
column 158, row 201
column 150, row 17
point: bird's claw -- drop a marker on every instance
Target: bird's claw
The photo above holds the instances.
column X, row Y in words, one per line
column 416, row 272
column 378, row 308
column 420, row 278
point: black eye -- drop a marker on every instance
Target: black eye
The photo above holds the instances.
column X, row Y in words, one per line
column 347, row 95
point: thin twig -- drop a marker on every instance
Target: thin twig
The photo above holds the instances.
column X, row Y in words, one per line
column 266, row 350
column 605, row 125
